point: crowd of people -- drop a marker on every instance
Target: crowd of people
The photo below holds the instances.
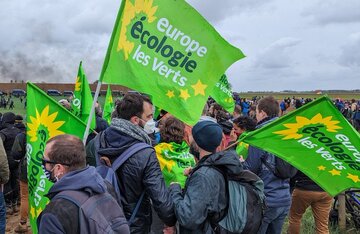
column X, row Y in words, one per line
column 170, row 181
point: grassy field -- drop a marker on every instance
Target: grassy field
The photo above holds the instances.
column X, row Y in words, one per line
column 280, row 96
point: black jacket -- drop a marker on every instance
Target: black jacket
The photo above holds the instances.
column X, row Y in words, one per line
column 8, row 135
column 140, row 172
column 303, row 182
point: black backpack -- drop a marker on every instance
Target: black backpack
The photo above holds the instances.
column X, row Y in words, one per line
column 282, row 169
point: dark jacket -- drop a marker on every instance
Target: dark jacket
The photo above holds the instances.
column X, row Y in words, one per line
column 303, row 182
column 204, row 193
column 8, row 135
column 4, row 166
column 140, row 172
column 277, row 191
column 62, row 216
column 18, row 152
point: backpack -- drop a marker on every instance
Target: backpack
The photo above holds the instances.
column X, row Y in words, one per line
column 282, row 169
column 99, row 213
column 246, row 203
column 109, row 172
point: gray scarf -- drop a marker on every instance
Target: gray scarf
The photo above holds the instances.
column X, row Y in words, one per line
column 130, row 129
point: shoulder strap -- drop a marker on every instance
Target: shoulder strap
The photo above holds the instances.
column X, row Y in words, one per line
column 74, row 196
column 128, row 153
column 266, row 163
column 120, row 160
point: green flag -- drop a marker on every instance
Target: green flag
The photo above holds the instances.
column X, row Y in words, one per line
column 173, row 159
column 222, row 94
column 317, row 140
column 168, row 50
column 82, row 100
column 108, row 105
column 45, row 119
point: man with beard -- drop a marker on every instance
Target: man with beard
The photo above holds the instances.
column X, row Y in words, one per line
column 140, row 177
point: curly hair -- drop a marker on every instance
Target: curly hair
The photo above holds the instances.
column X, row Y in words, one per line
column 245, row 122
column 173, row 130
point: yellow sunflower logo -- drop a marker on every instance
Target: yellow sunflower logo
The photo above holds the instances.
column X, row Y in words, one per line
column 293, row 128
column 130, row 11
column 77, row 84
column 45, row 120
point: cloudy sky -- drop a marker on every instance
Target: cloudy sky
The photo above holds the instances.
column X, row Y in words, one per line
column 296, row 45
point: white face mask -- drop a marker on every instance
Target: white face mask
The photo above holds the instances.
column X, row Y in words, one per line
column 150, row 127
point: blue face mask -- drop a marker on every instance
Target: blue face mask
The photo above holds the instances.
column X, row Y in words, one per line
column 48, row 174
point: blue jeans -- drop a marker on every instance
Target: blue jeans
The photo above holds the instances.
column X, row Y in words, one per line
column 2, row 213
column 273, row 220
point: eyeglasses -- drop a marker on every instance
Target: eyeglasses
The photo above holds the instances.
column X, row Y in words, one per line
column 44, row 161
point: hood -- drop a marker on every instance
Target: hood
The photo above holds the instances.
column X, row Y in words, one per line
column 114, row 142
column 84, row 179
column 228, row 160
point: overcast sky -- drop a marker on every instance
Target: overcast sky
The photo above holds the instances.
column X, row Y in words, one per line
column 296, row 45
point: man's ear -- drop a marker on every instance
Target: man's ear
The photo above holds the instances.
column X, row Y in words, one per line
column 135, row 120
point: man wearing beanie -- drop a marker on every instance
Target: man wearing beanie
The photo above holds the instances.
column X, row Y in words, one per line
column 204, row 197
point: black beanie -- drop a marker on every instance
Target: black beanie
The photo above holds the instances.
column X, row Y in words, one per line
column 18, row 118
column 207, row 135
column 8, row 117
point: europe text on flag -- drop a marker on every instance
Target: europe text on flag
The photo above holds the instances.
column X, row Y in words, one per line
column 169, row 51
column 45, row 119
column 317, row 140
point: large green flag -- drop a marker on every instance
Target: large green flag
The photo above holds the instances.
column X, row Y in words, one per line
column 168, row 50
column 82, row 100
column 108, row 105
column 317, row 140
column 222, row 94
column 174, row 159
column 45, row 119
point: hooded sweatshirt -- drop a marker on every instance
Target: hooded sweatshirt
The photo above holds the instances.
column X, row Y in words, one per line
column 60, row 215
column 204, row 193
column 277, row 190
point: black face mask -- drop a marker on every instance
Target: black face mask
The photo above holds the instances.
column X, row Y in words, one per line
column 194, row 151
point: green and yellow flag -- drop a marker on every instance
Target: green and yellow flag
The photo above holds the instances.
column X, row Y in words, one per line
column 317, row 140
column 174, row 159
column 82, row 99
column 222, row 94
column 45, row 119
column 108, row 105
column 168, row 50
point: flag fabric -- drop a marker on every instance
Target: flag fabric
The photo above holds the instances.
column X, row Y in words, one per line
column 82, row 99
column 174, row 159
column 222, row 94
column 108, row 105
column 168, row 50
column 317, row 140
column 45, row 119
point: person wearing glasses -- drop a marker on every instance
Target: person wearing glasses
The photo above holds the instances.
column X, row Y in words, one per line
column 64, row 163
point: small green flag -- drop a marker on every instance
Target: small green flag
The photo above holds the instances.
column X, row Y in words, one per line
column 317, row 140
column 222, row 94
column 45, row 119
column 108, row 105
column 174, row 159
column 168, row 50
column 82, row 100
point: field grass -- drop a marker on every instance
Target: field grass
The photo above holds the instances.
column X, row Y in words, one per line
column 280, row 96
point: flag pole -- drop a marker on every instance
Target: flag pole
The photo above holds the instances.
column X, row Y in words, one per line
column 86, row 133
